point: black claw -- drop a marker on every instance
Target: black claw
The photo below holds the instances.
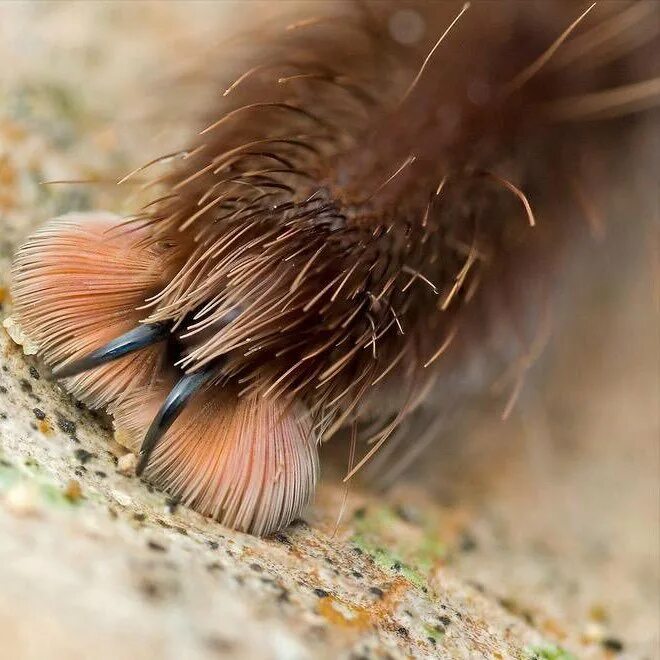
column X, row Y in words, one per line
column 172, row 407
column 133, row 340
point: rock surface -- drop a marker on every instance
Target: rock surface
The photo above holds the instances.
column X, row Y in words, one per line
column 542, row 541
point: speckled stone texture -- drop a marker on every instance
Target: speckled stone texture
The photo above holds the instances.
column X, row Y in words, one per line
column 92, row 562
column 535, row 538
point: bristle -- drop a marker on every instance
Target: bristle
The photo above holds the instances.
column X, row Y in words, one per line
column 400, row 229
column 250, row 464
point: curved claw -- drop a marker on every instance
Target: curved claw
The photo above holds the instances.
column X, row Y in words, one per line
column 130, row 342
column 172, row 407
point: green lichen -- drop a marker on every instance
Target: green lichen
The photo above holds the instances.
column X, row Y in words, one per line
column 55, row 496
column 548, row 652
column 32, row 464
column 436, row 633
column 49, row 493
column 56, row 109
column 389, row 560
column 8, row 475
column 396, row 546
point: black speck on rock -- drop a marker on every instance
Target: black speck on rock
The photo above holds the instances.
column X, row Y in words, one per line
column 376, row 591
column 66, row 425
column 402, row 632
column 319, row 631
column 83, row 456
column 360, row 513
column 282, row 538
column 257, row 568
column 150, row 589
column 612, row 644
column 220, row 645
column 478, row 586
column 39, row 414
column 468, row 543
column 156, row 547
column 26, row 385
column 158, row 590
column 3, row 389
column 139, row 517
column 100, row 474
column 357, row 574
column 408, row 514
column 444, row 620
column 321, row 593
column 214, row 545
column 34, row 373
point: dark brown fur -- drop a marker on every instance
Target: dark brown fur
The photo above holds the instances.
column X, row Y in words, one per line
column 339, row 272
